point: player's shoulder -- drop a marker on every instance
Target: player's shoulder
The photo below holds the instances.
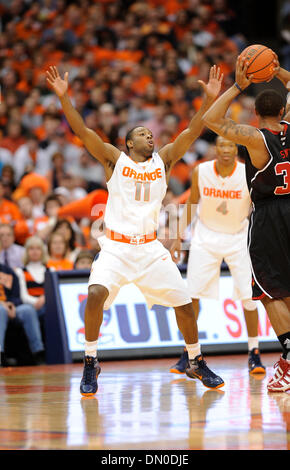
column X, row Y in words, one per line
column 241, row 165
column 205, row 166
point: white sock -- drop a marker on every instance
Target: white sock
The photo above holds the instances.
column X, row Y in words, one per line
column 193, row 350
column 91, row 348
column 253, row 342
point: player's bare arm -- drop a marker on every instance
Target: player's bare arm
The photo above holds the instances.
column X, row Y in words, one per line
column 187, row 216
column 171, row 153
column 241, row 134
column 284, row 77
column 105, row 153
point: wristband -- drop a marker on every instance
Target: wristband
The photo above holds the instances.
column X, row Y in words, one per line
column 238, row 87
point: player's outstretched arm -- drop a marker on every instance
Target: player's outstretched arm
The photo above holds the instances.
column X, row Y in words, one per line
column 94, row 144
column 171, row 153
column 241, row 134
column 284, row 77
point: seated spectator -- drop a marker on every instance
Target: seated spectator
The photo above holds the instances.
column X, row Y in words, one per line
column 8, row 179
column 69, row 186
column 32, row 275
column 14, row 136
column 36, row 187
column 57, row 248
column 24, row 227
column 84, row 260
column 26, row 157
column 11, row 254
column 45, row 224
column 9, row 212
column 57, row 171
column 6, row 157
column 70, row 234
column 11, row 307
column 89, row 173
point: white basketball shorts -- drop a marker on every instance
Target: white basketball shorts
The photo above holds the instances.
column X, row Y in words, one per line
column 149, row 266
column 207, row 251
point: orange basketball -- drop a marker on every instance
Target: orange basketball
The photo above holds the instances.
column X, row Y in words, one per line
column 260, row 59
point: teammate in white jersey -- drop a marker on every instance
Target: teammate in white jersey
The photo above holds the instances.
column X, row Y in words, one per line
column 220, row 199
column 137, row 184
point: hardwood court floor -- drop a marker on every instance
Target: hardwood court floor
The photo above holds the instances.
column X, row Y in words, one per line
column 140, row 405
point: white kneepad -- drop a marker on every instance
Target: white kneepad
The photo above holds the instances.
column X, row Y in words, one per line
column 249, row 304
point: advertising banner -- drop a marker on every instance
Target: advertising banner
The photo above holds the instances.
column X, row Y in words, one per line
column 129, row 324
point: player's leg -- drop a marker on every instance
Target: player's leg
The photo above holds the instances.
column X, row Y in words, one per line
column 195, row 305
column 238, row 262
column 162, row 283
column 278, row 311
column 197, row 367
column 97, row 295
column 182, row 364
column 106, row 278
column 252, row 318
column 203, row 271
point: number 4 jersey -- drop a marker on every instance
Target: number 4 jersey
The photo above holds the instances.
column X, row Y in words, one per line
column 224, row 202
column 136, row 191
column 273, row 180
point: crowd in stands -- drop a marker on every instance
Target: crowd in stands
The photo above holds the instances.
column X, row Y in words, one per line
column 130, row 62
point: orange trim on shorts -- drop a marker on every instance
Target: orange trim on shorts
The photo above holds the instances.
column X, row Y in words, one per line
column 134, row 240
column 260, row 297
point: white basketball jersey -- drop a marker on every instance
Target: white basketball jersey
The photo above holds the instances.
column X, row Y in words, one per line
column 136, row 191
column 224, row 202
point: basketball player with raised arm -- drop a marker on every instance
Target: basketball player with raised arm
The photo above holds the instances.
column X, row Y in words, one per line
column 268, row 178
column 220, row 203
column 137, row 184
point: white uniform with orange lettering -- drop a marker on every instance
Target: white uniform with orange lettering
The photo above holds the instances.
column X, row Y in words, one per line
column 220, row 233
column 130, row 251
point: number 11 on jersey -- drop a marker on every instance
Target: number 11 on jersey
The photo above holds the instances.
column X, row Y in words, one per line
column 142, row 188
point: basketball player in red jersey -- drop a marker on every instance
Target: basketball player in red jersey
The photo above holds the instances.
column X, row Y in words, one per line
column 137, row 184
column 220, row 203
column 268, row 178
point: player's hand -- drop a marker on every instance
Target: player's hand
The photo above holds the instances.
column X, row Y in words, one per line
column 175, row 250
column 213, row 87
column 11, row 310
column 241, row 73
column 58, row 84
column 276, row 67
column 280, row 73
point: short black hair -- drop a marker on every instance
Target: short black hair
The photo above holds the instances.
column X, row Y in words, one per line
column 269, row 103
column 129, row 136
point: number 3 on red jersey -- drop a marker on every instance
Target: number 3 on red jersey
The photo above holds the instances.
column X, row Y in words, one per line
column 283, row 168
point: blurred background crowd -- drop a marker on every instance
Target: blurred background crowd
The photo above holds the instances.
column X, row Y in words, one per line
column 130, row 62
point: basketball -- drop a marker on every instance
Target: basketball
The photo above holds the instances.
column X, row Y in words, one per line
column 260, row 59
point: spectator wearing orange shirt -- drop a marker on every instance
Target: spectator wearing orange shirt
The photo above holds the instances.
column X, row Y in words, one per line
column 57, row 248
column 25, row 227
column 9, row 212
column 14, row 138
column 70, row 234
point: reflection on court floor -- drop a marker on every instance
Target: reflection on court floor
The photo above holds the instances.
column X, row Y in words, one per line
column 140, row 405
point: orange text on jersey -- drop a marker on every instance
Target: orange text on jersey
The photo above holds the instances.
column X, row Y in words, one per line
column 222, row 193
column 153, row 175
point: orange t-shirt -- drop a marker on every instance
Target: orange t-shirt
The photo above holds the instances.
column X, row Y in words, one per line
column 60, row 264
column 22, row 231
column 9, row 210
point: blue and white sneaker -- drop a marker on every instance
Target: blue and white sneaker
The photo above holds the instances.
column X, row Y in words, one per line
column 181, row 365
column 198, row 370
column 89, row 382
